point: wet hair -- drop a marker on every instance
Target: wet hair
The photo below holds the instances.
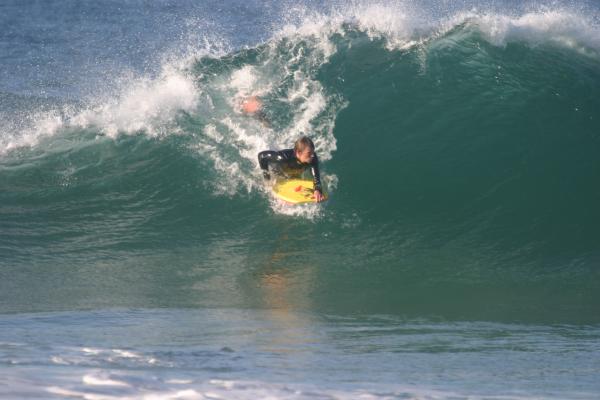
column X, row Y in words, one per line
column 302, row 143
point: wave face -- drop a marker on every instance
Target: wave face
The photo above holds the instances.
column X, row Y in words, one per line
column 460, row 149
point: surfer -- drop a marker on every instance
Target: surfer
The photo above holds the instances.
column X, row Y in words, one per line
column 291, row 163
column 253, row 106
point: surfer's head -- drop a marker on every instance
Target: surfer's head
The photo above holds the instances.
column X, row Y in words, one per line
column 304, row 149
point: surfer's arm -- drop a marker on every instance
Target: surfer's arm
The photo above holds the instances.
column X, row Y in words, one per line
column 314, row 169
column 269, row 157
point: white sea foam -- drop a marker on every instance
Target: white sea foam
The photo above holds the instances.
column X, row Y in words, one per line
column 126, row 353
column 146, row 105
column 102, row 380
column 141, row 103
column 92, row 351
column 93, row 356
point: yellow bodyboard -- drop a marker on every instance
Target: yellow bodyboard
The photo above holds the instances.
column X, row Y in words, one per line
column 296, row 191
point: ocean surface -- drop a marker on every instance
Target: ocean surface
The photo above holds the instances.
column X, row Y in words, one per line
column 143, row 257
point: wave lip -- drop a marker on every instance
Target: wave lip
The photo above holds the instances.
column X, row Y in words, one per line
column 150, row 104
column 550, row 26
column 403, row 26
column 145, row 105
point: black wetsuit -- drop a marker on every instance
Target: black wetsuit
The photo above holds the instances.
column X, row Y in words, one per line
column 284, row 163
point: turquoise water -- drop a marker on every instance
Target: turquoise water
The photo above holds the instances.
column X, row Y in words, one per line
column 142, row 255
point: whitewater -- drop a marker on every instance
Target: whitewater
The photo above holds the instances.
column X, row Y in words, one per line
column 143, row 257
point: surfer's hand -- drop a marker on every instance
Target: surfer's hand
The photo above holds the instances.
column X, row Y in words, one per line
column 319, row 196
column 266, row 175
